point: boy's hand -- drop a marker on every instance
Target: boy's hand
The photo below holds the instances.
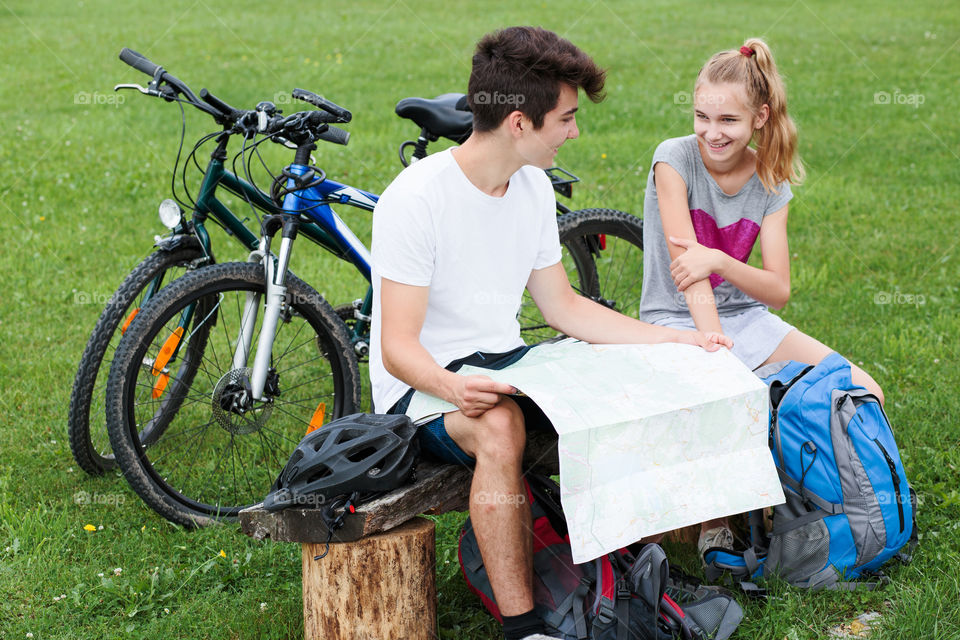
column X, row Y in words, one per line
column 474, row 395
column 710, row 341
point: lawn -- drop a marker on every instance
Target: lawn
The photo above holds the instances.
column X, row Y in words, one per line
column 873, row 233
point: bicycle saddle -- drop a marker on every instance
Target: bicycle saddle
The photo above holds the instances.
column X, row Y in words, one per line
column 439, row 116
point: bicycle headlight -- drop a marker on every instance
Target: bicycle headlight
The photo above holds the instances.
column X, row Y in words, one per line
column 170, row 214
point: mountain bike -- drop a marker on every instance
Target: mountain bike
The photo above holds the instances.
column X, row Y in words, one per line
column 198, row 430
column 189, row 244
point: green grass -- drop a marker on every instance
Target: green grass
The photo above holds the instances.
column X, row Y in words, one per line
column 876, row 220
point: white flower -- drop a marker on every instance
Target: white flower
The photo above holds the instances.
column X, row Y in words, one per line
column 117, row 571
column 263, row 606
column 100, row 575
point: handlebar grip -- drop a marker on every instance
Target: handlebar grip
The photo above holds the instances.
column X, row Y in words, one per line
column 138, row 62
column 219, row 104
column 308, row 96
column 335, row 135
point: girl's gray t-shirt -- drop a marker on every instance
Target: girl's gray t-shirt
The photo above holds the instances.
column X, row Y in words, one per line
column 730, row 223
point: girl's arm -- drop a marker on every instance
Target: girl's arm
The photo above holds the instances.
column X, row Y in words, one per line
column 675, row 218
column 770, row 285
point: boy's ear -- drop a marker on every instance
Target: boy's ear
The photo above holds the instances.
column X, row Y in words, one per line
column 517, row 122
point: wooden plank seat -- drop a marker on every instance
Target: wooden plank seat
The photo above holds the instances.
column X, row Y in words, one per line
column 377, row 580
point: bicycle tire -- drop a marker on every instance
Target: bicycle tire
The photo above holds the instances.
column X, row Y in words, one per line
column 179, row 475
column 86, row 423
column 609, row 271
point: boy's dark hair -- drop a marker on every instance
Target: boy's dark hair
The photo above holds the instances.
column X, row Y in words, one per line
column 521, row 68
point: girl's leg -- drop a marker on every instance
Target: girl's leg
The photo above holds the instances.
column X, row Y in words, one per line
column 802, row 348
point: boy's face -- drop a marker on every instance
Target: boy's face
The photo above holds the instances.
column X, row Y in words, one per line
column 539, row 146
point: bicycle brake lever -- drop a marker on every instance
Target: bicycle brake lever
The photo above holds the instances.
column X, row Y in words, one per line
column 140, row 88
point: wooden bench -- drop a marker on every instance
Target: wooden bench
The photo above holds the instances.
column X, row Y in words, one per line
column 377, row 582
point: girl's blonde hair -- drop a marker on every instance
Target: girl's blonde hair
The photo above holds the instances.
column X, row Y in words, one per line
column 753, row 68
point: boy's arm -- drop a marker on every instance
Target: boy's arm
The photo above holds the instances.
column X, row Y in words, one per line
column 584, row 319
column 675, row 219
column 402, row 310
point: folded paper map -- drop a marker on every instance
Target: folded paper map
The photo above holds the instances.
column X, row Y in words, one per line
column 652, row 437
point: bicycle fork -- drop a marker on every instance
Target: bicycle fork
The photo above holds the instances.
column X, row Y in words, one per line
column 276, row 293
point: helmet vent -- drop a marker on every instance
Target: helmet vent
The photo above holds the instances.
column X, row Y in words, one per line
column 319, row 474
column 361, row 454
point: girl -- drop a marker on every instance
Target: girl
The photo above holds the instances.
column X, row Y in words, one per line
column 710, row 196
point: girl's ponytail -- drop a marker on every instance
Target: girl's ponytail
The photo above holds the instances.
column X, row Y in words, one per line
column 752, row 67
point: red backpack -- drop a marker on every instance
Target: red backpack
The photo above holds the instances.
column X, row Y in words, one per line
column 619, row 596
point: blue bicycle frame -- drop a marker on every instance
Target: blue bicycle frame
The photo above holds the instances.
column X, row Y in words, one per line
column 315, row 202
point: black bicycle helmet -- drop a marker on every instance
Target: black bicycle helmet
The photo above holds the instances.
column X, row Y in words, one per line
column 358, row 454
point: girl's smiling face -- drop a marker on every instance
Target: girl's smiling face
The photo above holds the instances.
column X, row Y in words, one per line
column 723, row 123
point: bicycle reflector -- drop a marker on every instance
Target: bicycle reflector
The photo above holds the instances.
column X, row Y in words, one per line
column 170, row 214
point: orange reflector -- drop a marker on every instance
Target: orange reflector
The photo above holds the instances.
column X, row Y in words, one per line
column 160, row 385
column 126, row 323
column 317, row 420
column 167, row 351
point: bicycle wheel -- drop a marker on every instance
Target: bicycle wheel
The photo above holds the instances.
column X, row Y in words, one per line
column 602, row 253
column 208, row 459
column 86, row 424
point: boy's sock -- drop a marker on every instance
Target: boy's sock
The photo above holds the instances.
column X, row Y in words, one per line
column 521, row 626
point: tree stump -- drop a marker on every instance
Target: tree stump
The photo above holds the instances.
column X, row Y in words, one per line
column 381, row 587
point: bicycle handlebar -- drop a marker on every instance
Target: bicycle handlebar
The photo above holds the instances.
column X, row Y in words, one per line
column 138, row 61
column 229, row 112
column 320, row 102
column 299, row 127
column 335, row 135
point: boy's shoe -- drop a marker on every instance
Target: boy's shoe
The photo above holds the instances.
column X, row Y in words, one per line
column 540, row 636
column 717, row 537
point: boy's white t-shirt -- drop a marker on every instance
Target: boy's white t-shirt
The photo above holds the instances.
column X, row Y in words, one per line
column 433, row 228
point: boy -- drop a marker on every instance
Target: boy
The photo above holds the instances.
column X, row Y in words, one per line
column 456, row 239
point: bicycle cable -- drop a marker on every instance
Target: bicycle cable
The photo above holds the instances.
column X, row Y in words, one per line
column 176, row 162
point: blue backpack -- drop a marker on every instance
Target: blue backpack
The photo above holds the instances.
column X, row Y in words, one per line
column 849, row 507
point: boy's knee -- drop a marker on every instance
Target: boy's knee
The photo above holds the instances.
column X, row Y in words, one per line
column 503, row 434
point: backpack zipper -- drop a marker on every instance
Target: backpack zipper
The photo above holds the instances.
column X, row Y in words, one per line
column 896, row 480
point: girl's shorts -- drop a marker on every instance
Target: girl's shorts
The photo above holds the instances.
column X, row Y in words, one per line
column 756, row 333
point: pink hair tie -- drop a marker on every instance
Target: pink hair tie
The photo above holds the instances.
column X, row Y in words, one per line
column 747, row 51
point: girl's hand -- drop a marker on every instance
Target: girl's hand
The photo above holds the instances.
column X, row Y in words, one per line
column 694, row 264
